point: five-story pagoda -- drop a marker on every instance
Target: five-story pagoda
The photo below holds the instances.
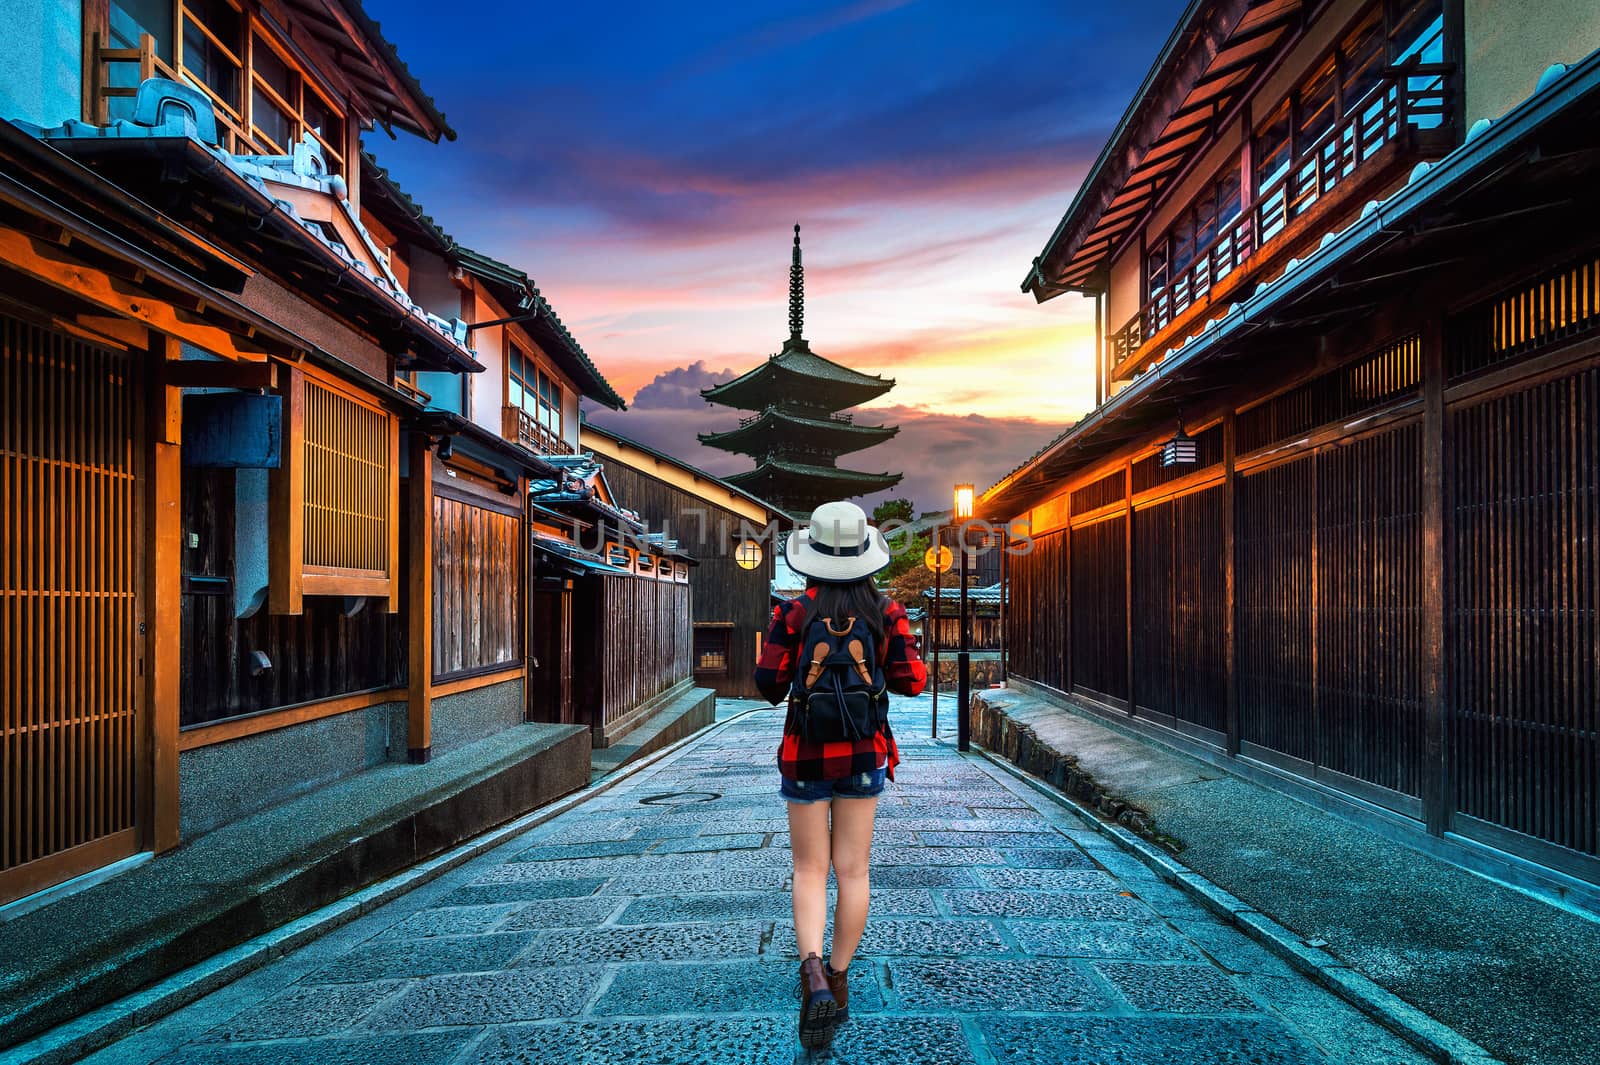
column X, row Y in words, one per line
column 798, row 430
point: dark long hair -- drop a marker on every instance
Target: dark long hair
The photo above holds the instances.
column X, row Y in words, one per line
column 857, row 598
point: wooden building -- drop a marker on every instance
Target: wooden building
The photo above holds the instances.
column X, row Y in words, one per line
column 266, row 519
column 612, row 604
column 1350, row 248
column 732, row 536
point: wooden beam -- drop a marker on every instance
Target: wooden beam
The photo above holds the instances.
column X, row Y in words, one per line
column 168, row 405
column 198, row 373
column 42, row 261
column 286, row 504
column 419, row 662
column 124, row 331
column 162, row 594
column 1436, row 803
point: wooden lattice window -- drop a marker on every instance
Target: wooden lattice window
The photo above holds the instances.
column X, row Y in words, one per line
column 335, row 496
column 1557, row 307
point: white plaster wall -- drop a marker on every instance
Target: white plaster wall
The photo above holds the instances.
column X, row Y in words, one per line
column 1122, row 299
column 488, row 387
column 1508, row 45
column 41, row 60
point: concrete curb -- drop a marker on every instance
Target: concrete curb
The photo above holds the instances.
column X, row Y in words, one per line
column 1438, row 1041
column 99, row 1028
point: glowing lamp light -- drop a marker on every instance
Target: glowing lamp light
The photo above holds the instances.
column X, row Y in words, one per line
column 963, row 502
column 748, row 554
column 1181, row 450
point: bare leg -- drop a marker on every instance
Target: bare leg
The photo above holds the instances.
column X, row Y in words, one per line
column 852, row 854
column 808, row 841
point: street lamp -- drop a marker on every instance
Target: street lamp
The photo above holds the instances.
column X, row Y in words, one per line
column 963, row 514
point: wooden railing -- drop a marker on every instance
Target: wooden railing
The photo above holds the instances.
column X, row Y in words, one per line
column 1413, row 98
column 149, row 63
column 522, row 427
column 231, row 125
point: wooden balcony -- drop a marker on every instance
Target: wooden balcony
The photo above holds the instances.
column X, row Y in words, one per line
column 520, row 426
column 1408, row 118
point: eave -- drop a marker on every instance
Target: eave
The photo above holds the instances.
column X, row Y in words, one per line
column 355, row 43
column 1217, row 52
column 775, row 379
column 778, row 471
column 774, row 426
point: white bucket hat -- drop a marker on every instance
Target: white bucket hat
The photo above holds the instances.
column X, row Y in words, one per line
column 836, row 545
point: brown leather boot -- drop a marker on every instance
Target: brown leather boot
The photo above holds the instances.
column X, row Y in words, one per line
column 839, row 984
column 818, row 1008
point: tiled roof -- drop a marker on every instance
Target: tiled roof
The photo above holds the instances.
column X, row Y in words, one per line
column 989, row 593
column 682, row 465
column 378, row 175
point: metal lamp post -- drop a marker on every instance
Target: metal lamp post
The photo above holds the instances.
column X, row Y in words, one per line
column 963, row 514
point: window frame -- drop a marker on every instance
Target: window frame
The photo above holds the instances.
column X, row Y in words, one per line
column 725, row 632
column 240, row 131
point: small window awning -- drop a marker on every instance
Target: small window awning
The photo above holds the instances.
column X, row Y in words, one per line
column 563, row 556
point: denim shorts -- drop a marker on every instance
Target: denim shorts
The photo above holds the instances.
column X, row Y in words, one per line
column 857, row 786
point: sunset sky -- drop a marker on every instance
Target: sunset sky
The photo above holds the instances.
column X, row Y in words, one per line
column 647, row 164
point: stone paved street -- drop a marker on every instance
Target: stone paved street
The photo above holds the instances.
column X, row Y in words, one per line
column 651, row 924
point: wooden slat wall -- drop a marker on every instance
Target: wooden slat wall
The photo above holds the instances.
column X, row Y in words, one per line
column 1179, row 608
column 477, row 581
column 645, row 644
column 318, row 654
column 1099, row 608
column 1524, row 642
column 346, row 483
column 1036, row 620
column 1275, row 529
column 71, row 533
column 1369, row 609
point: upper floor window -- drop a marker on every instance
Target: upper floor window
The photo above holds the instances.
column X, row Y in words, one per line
column 1335, row 118
column 1202, row 234
column 263, row 101
column 213, row 50
column 534, row 390
column 284, row 107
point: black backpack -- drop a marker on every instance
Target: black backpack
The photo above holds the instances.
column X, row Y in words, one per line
column 839, row 692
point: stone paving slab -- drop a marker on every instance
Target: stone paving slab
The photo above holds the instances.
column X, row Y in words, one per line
column 645, row 927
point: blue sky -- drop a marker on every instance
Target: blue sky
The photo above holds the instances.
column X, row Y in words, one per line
column 645, row 163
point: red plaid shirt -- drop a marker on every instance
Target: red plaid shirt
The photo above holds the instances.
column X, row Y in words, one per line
column 903, row 671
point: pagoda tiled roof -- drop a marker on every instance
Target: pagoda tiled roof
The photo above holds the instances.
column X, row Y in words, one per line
column 757, row 432
column 796, row 366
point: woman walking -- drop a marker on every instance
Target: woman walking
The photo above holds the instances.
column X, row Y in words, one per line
column 835, row 653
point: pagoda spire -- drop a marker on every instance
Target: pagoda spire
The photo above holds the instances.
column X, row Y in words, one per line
column 797, row 289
